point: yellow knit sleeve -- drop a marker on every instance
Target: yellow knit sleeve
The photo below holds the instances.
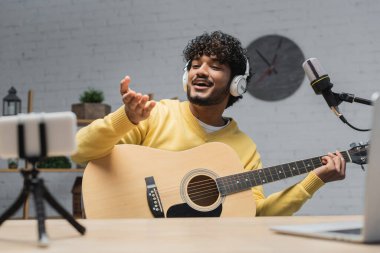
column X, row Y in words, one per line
column 97, row 139
column 288, row 201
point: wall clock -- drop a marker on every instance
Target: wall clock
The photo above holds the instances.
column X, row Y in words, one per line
column 276, row 62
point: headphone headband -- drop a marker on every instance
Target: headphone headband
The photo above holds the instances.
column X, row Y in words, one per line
column 246, row 74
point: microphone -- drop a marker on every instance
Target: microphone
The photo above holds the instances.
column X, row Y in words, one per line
column 320, row 82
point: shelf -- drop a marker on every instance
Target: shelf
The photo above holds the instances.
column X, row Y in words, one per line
column 42, row 170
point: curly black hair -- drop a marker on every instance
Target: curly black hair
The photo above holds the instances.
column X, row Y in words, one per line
column 226, row 48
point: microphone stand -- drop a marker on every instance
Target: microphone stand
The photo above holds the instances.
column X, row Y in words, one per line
column 347, row 97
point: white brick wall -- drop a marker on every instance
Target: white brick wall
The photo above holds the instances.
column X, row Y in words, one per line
column 59, row 48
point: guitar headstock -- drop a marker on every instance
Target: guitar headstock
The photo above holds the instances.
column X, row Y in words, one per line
column 359, row 153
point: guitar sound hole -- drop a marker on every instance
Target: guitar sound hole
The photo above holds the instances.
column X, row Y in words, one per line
column 202, row 190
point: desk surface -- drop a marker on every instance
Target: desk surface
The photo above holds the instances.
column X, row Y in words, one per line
column 175, row 235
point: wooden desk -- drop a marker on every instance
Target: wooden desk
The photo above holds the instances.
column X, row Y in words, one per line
column 219, row 235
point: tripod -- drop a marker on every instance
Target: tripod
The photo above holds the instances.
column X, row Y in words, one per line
column 35, row 185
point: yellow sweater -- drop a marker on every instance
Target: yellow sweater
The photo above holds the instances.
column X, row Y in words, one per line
column 172, row 126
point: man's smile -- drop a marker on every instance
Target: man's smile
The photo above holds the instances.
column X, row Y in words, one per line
column 201, row 84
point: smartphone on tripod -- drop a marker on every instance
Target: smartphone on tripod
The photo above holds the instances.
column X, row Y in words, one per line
column 60, row 130
column 32, row 137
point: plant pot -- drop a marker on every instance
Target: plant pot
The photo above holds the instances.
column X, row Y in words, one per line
column 13, row 163
column 90, row 110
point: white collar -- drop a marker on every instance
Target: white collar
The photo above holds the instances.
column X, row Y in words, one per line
column 210, row 129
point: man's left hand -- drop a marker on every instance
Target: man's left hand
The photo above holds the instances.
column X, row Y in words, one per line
column 334, row 168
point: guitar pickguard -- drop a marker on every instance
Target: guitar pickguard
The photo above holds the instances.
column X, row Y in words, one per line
column 185, row 211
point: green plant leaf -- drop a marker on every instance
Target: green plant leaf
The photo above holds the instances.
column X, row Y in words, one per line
column 54, row 162
column 92, row 95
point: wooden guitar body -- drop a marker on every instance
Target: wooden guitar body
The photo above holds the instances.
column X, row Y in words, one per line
column 116, row 186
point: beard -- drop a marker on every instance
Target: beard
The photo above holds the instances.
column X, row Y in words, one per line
column 216, row 97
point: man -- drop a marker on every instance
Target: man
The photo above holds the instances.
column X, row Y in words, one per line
column 213, row 60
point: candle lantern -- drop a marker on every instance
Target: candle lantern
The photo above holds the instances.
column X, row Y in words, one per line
column 12, row 106
column 11, row 103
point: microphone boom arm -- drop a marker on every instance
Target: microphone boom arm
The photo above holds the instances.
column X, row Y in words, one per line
column 347, row 97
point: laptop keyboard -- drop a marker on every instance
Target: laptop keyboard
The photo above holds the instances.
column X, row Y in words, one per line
column 354, row 231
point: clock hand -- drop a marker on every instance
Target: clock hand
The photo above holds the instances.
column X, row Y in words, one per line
column 262, row 57
column 278, row 47
column 266, row 73
column 266, row 61
column 275, row 55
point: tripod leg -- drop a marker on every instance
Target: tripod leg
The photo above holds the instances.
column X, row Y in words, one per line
column 16, row 205
column 38, row 192
column 49, row 198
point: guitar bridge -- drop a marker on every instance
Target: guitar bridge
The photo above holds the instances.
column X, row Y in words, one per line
column 154, row 201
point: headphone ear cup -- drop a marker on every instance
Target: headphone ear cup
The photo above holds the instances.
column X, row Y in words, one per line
column 184, row 80
column 238, row 86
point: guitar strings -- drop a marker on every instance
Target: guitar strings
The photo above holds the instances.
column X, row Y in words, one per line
column 207, row 188
column 231, row 181
column 204, row 189
column 196, row 190
column 206, row 197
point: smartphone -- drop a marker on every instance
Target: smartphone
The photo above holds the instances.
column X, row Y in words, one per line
column 60, row 130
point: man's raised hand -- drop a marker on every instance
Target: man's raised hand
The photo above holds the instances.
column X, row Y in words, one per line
column 137, row 106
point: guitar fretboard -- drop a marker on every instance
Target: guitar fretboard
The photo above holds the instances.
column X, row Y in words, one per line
column 245, row 180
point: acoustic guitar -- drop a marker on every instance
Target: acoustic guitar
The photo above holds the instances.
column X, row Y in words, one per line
column 207, row 181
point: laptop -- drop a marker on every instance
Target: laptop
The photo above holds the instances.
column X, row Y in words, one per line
column 367, row 230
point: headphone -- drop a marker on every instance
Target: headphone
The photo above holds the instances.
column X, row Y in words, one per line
column 238, row 84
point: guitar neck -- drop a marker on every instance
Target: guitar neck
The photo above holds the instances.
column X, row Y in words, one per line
column 243, row 181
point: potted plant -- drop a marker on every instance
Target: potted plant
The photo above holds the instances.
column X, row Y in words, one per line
column 91, row 106
column 60, row 162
